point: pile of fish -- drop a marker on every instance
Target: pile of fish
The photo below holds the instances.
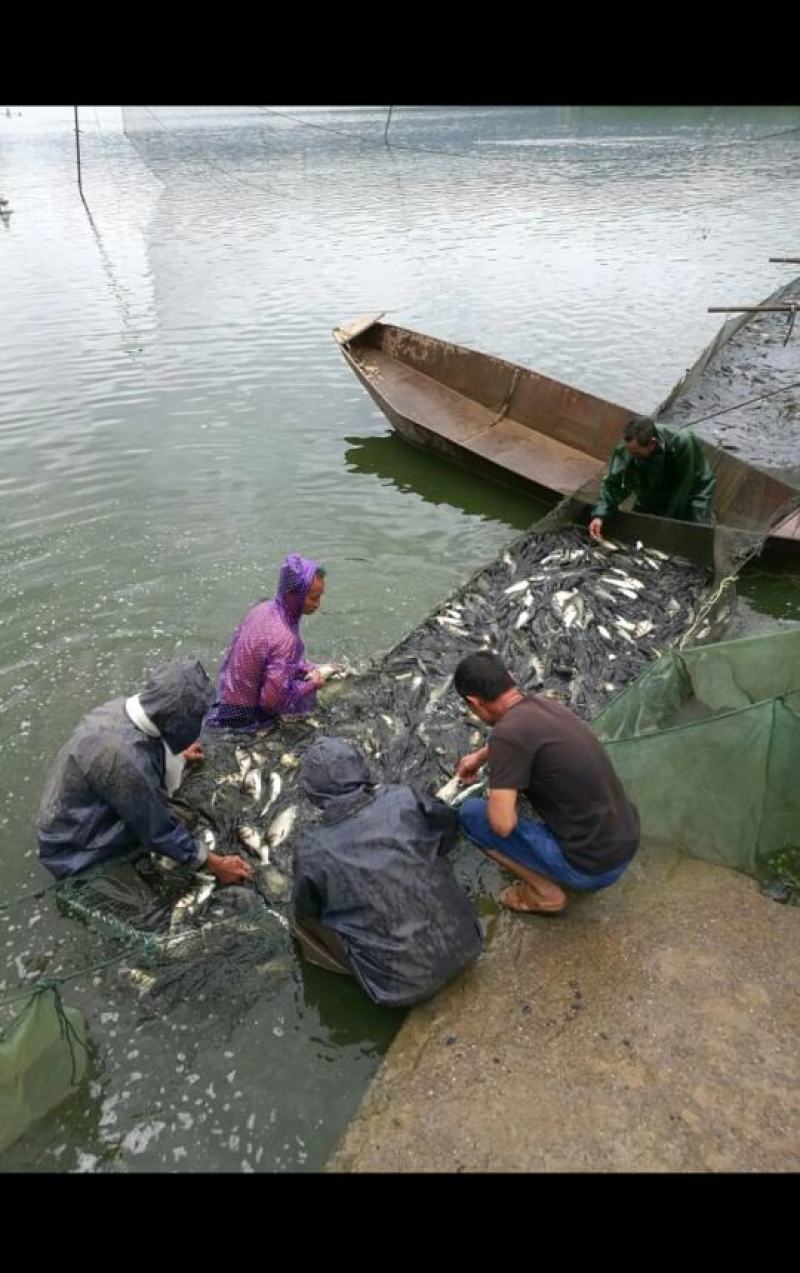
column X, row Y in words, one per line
column 571, row 618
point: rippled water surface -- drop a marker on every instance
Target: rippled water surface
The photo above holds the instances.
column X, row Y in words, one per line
column 174, row 417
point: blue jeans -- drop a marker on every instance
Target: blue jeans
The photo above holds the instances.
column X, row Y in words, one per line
column 532, row 844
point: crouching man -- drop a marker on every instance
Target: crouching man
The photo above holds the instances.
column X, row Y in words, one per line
column 108, row 790
column 590, row 829
column 374, row 893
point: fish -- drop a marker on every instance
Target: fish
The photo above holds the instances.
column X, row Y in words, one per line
column 439, row 692
column 208, row 839
column 289, row 760
column 625, row 636
column 467, row 792
column 275, row 786
column 332, row 671
column 604, row 632
column 281, row 826
column 536, row 665
column 244, row 760
column 524, row 618
column 516, row 587
column 252, row 785
column 142, row 980
column 190, row 903
column 274, row 883
column 606, row 595
column 449, row 790
column 253, row 840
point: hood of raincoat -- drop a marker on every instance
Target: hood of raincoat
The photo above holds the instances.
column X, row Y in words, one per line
column 296, row 577
column 335, row 776
column 176, row 698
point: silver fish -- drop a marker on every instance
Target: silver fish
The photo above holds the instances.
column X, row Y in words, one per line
column 624, row 635
column 606, row 595
column 281, row 826
column 252, row 785
column 449, row 790
column 610, row 544
column 277, row 885
column 516, row 587
column 142, row 980
column 642, row 629
column 630, row 584
column 244, row 760
column 466, row 793
column 191, row 902
column 537, row 666
column 523, row 619
column 275, row 785
column 604, row 632
column 252, row 839
column 289, row 760
column 438, row 693
column 332, row 671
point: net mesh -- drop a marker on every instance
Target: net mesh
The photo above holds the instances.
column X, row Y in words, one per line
column 724, row 720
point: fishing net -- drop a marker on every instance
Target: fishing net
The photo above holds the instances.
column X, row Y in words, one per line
column 571, row 618
column 723, row 721
column 43, row 1060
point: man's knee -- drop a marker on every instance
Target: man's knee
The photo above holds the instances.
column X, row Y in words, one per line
column 473, row 816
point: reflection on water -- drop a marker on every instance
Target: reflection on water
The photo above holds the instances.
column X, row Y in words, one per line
column 174, row 417
column 438, row 482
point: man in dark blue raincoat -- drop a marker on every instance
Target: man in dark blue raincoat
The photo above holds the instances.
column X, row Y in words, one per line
column 107, row 792
column 374, row 893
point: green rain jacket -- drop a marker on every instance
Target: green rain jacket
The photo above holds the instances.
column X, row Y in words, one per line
column 675, row 482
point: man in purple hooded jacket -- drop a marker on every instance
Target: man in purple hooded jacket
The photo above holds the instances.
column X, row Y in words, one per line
column 264, row 674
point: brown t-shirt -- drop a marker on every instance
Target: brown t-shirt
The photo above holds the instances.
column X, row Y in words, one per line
column 541, row 748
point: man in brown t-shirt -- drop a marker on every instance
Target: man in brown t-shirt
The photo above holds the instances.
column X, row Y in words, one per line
column 589, row 830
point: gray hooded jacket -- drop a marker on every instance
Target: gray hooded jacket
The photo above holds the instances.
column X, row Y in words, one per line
column 375, row 871
column 106, row 792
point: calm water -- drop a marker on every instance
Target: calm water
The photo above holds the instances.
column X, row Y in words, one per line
column 174, row 417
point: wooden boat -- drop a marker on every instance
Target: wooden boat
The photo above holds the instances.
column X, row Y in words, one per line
column 525, row 430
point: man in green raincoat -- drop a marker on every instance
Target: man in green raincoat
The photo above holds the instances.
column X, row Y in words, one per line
column 667, row 471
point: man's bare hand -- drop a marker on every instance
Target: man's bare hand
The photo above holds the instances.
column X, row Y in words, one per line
column 193, row 752
column 467, row 768
column 229, row 870
column 596, row 528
